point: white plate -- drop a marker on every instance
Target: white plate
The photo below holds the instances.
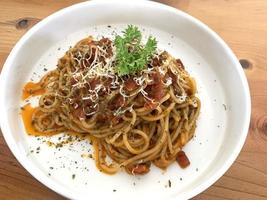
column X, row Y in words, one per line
column 222, row 88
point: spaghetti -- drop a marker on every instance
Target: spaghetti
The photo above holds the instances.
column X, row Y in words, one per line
column 137, row 119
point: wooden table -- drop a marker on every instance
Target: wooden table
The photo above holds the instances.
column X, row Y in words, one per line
column 241, row 23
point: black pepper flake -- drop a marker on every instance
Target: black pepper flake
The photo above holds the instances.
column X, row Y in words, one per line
column 197, row 169
column 45, row 69
column 109, row 26
column 181, row 179
column 38, row 148
column 75, row 162
column 69, row 139
column 169, row 183
column 58, row 48
column 134, row 183
column 73, row 176
column 49, row 174
column 59, row 145
column 224, row 106
column 169, row 43
column 114, row 190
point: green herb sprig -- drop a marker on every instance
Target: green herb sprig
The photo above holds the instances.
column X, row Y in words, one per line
column 131, row 55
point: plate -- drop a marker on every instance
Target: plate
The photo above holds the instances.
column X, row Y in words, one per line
column 222, row 87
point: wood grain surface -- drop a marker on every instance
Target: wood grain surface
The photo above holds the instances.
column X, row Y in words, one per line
column 241, row 23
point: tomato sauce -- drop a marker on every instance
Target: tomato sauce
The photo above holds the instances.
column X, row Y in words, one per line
column 32, row 89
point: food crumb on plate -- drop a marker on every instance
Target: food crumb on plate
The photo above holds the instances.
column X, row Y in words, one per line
column 169, row 183
column 73, row 176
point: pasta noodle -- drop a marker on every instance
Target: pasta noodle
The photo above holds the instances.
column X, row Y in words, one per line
column 136, row 120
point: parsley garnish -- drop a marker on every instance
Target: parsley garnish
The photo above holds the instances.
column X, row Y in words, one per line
column 131, row 55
